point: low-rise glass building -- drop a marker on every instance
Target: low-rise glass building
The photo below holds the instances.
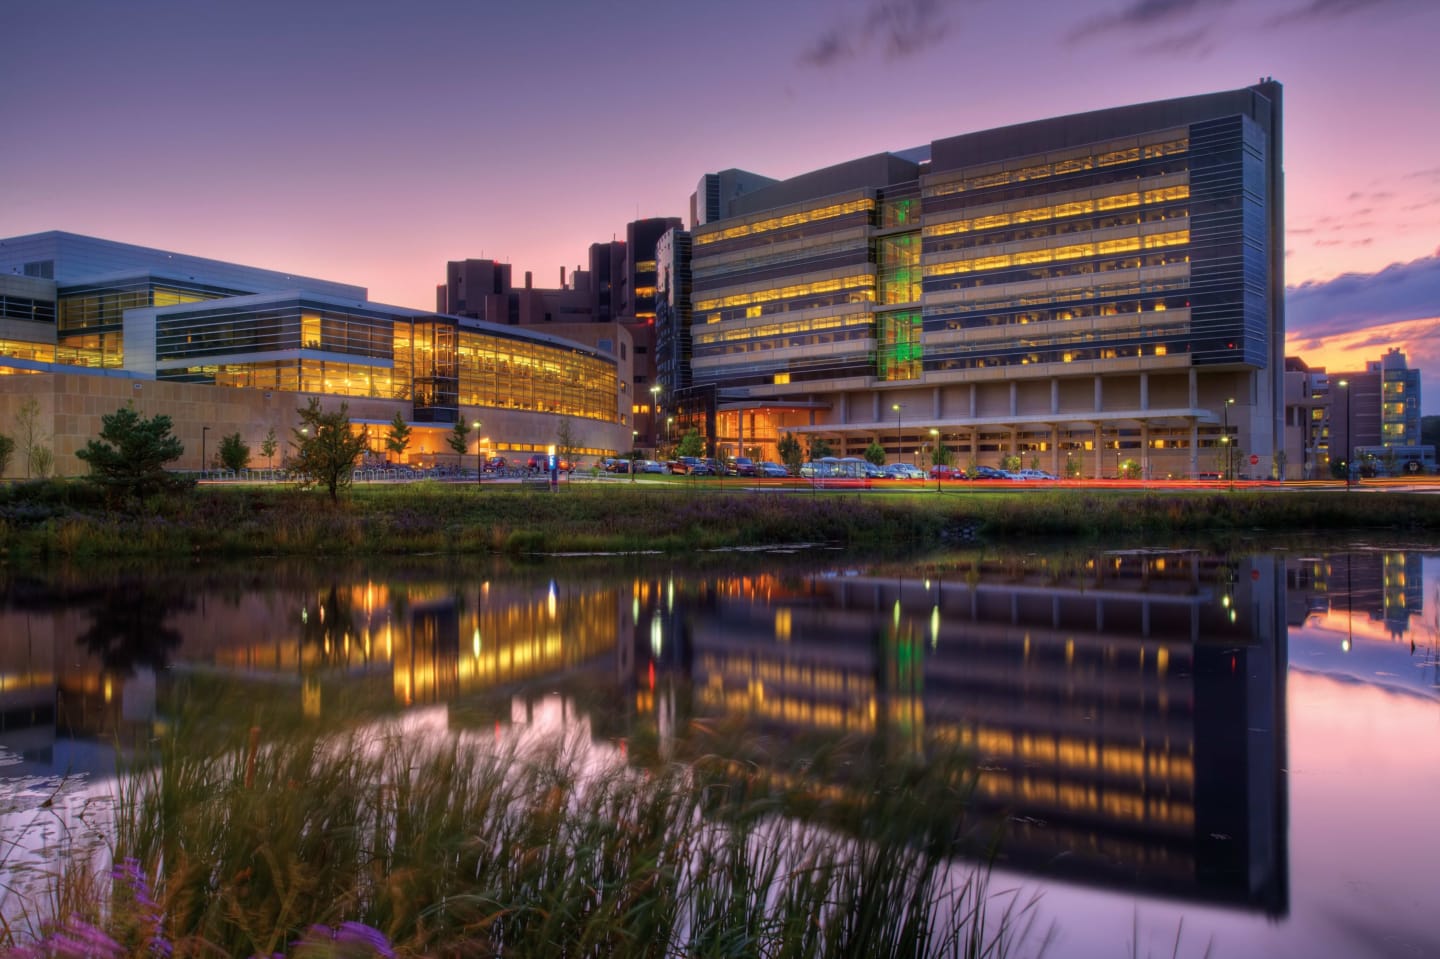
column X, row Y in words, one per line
column 129, row 315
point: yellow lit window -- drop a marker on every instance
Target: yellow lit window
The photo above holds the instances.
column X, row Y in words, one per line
column 782, row 378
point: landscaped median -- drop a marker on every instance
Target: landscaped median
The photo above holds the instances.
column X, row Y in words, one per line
column 72, row 519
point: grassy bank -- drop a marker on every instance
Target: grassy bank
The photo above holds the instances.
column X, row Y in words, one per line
column 538, row 847
column 59, row 520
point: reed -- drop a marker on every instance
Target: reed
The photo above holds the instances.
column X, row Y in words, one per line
column 464, row 848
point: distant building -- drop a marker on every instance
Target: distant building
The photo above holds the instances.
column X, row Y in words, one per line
column 1375, row 418
column 1080, row 291
column 87, row 325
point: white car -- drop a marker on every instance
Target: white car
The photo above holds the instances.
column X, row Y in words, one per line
column 1031, row 475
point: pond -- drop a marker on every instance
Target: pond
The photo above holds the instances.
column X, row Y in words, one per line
column 1237, row 750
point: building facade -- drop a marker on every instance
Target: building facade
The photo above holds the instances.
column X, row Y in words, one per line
column 1080, row 292
column 84, row 314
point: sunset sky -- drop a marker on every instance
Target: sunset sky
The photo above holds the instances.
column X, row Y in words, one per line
column 370, row 141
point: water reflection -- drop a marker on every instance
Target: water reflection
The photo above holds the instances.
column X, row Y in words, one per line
column 1127, row 709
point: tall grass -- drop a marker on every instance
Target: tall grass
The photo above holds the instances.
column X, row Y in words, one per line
column 42, row 521
column 538, row 848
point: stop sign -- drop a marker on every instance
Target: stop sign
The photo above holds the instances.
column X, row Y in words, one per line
column 1254, row 460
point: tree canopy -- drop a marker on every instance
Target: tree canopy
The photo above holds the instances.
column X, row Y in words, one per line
column 130, row 456
column 326, row 448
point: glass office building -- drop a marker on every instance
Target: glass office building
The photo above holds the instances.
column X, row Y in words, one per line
column 1081, row 292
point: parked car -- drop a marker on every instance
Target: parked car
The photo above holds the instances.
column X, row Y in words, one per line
column 688, row 464
column 616, row 465
column 651, row 466
column 494, row 464
column 1031, row 475
column 774, row 470
column 985, row 473
column 904, row 471
column 944, row 472
column 742, row 466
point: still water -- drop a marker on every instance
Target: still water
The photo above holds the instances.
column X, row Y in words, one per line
column 1239, row 750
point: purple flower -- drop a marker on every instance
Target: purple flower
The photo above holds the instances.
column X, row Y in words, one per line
column 351, row 940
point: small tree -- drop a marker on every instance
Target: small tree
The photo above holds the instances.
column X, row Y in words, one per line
column 326, row 448
column 1010, row 462
column 790, row 453
column 459, row 439
column 268, row 446
column 1130, row 469
column 1072, row 466
column 397, row 438
column 32, row 437
column 7, row 449
column 943, row 455
column 234, row 453
column 565, row 441
column 691, row 444
column 129, row 457
column 875, row 453
column 820, row 448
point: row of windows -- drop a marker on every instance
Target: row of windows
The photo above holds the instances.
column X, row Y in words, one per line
column 1060, row 210
column 858, row 282
column 971, row 241
column 88, row 307
column 1075, row 251
column 819, row 338
column 291, row 328
column 948, row 320
column 1080, row 268
column 1137, row 175
column 103, row 350
column 987, row 359
column 25, row 350
column 1049, row 297
column 787, row 328
column 25, row 308
column 787, row 220
column 1039, row 171
column 299, row 376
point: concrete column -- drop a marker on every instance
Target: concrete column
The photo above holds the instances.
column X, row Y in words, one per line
column 1144, row 441
column 1194, row 389
column 1099, row 394
column 1014, row 398
column 1194, row 436
column 974, row 399
column 1145, row 391
column 937, row 403
column 1099, row 451
column 1054, row 394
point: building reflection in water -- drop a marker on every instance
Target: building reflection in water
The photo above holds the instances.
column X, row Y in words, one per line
column 1127, row 713
column 1126, row 710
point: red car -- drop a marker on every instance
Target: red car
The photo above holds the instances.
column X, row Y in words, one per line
column 946, row 473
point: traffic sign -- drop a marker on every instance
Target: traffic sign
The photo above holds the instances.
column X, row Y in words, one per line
column 1254, row 459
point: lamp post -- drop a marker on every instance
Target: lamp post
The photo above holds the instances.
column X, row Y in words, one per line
column 634, row 439
column 655, row 414
column 934, row 453
column 203, row 431
column 479, row 454
column 897, row 407
column 1345, row 385
column 1229, row 447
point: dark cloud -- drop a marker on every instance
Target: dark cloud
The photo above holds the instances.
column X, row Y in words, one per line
column 899, row 28
column 1325, row 10
column 1362, row 315
column 1147, row 14
column 1354, row 301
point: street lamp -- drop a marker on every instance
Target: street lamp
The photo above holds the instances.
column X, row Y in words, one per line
column 203, row 431
column 934, row 453
column 634, row 440
column 655, row 413
column 897, row 407
column 1349, row 447
column 1229, row 447
column 479, row 454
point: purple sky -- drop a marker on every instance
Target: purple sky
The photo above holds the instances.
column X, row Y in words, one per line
column 370, row 142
